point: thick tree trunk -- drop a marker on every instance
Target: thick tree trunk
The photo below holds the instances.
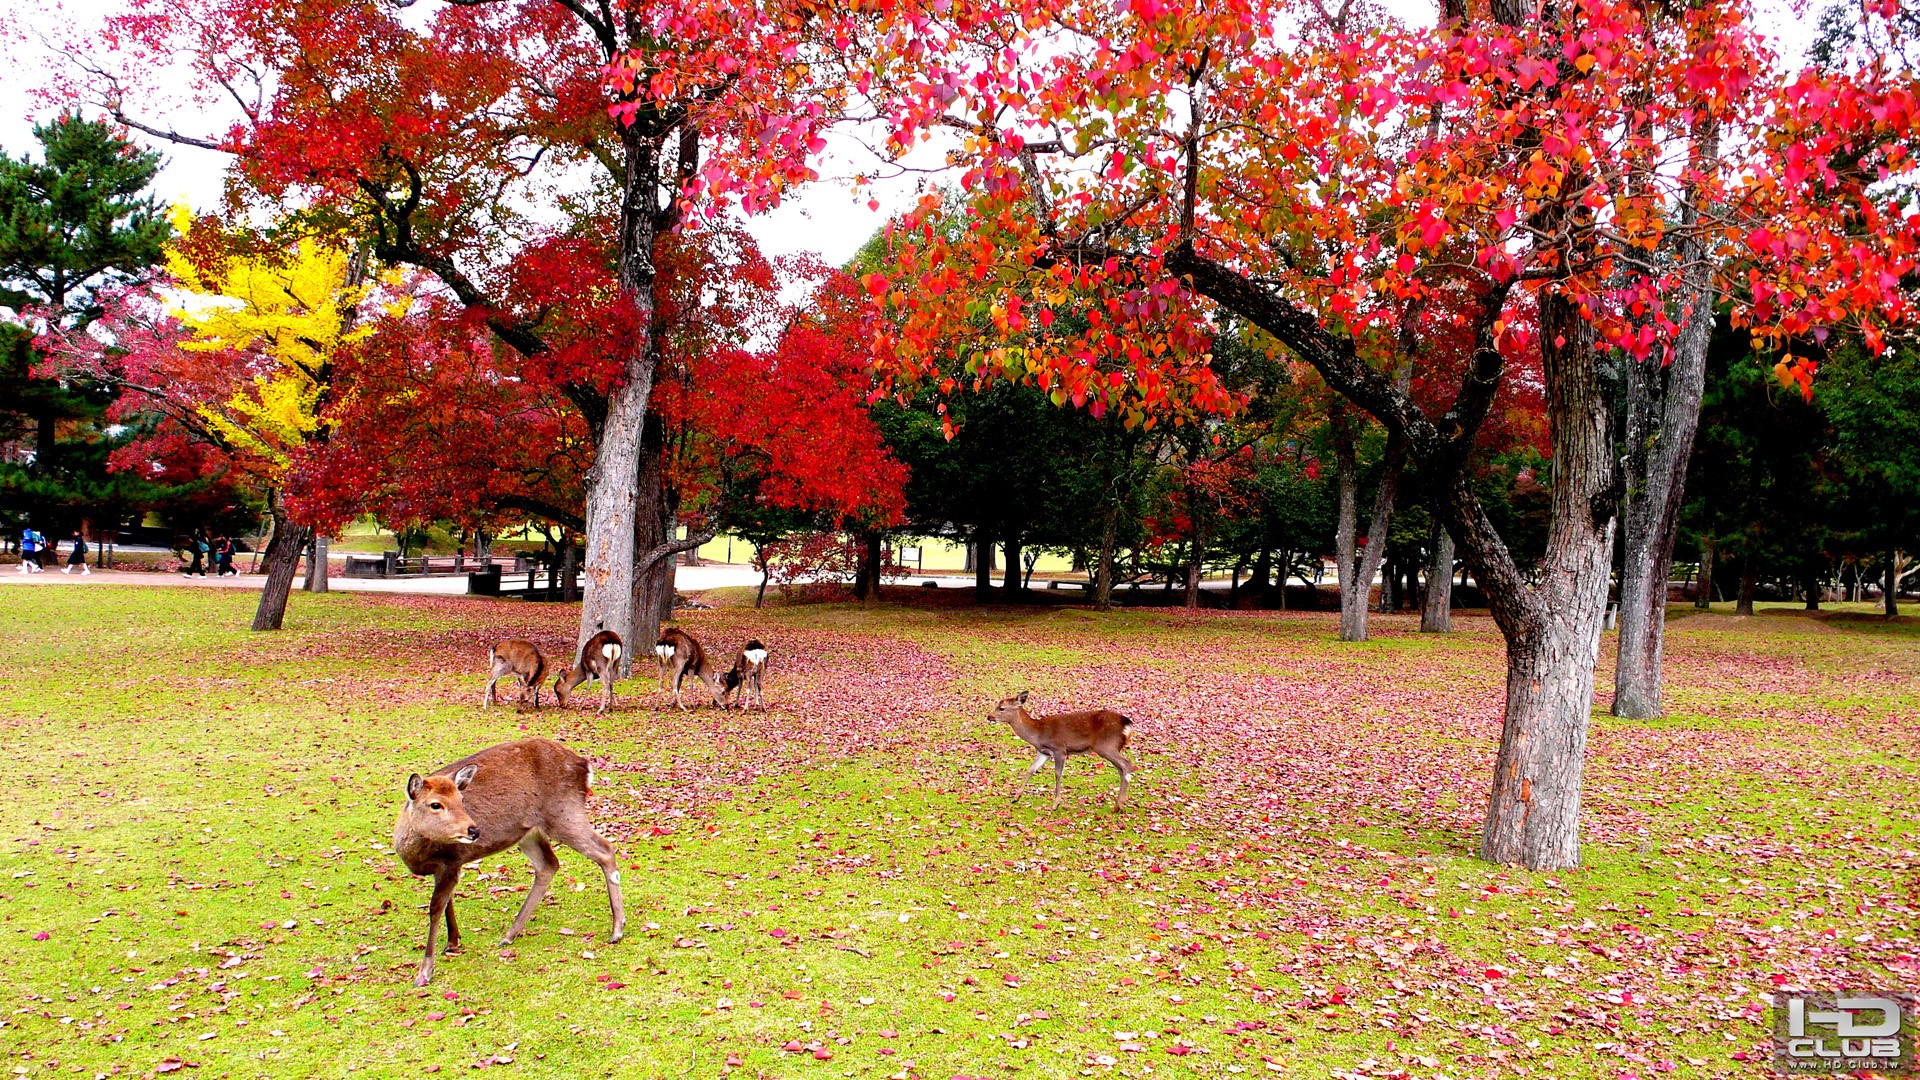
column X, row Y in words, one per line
column 866, row 581
column 1436, row 613
column 1552, row 630
column 1662, row 414
column 1011, row 548
column 1703, row 590
column 650, row 587
column 1812, row 587
column 1346, row 482
column 1749, row 579
column 1103, row 578
column 618, row 502
column 283, row 562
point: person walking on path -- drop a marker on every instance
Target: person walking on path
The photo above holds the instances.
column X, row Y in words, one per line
column 223, row 557
column 77, row 557
column 29, row 551
column 197, row 547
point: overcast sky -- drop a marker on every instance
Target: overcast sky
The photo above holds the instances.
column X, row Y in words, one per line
column 824, row 218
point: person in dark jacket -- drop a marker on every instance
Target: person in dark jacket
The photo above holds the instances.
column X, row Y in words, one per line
column 77, row 557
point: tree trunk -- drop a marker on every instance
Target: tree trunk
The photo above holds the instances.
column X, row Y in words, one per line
column 1749, row 578
column 1196, row 555
column 1103, row 579
column 1703, row 590
column 617, row 501
column 1552, row 629
column 1663, row 411
column 866, row 582
column 1356, row 581
column 1891, row 593
column 283, row 562
column 982, row 565
column 1813, row 587
column 1011, row 548
column 317, row 568
column 766, row 572
column 1436, row 613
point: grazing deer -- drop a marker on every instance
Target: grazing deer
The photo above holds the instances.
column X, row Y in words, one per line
column 744, row 677
column 521, row 659
column 599, row 659
column 1060, row 736
column 680, row 655
column 525, row 793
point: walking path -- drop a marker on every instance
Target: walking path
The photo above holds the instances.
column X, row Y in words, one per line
column 686, row 579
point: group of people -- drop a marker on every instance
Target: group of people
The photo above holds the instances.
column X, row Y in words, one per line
column 36, row 550
column 218, row 551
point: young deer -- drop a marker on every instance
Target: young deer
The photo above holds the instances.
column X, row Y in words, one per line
column 599, row 659
column 1058, row 737
column 680, row 655
column 744, row 677
column 521, row 659
column 525, row 793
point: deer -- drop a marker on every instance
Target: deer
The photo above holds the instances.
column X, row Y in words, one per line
column 1058, row 737
column 599, row 659
column 521, row 659
column 527, row 793
column 680, row 655
column 743, row 677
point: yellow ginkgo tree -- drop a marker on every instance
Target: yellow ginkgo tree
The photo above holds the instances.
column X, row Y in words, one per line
column 278, row 314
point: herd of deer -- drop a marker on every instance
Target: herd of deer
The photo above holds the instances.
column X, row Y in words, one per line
column 680, row 655
column 534, row 791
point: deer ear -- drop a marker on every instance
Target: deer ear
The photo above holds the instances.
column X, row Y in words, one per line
column 1022, row 699
column 464, row 777
column 413, row 786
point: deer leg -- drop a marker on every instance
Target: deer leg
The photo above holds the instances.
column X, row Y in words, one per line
column 545, row 862
column 453, row 928
column 1059, row 767
column 1039, row 762
column 679, row 680
column 486, row 699
column 442, row 897
column 575, row 832
column 1120, row 761
column 606, row 691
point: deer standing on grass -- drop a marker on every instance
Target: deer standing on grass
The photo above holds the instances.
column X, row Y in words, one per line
column 525, row 793
column 1058, row 737
column 599, row 659
column 744, row 677
column 524, row 661
column 680, row 655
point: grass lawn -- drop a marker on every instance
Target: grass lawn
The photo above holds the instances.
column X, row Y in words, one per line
column 195, row 865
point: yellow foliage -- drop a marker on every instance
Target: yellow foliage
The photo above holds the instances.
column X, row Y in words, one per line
column 283, row 315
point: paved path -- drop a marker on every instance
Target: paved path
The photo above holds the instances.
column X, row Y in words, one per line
column 686, row 579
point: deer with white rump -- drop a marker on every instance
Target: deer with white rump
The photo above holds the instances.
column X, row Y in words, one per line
column 524, row 661
column 599, row 659
column 525, row 793
column 743, row 678
column 680, row 654
column 1058, row 737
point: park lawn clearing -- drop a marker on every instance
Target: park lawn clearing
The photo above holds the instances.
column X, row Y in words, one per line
column 195, row 869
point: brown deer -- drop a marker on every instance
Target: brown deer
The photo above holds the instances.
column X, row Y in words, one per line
column 680, row 655
column 599, row 659
column 743, row 678
column 525, row 793
column 1058, row 737
column 521, row 659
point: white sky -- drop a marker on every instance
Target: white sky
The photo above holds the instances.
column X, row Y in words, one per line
column 824, row 218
